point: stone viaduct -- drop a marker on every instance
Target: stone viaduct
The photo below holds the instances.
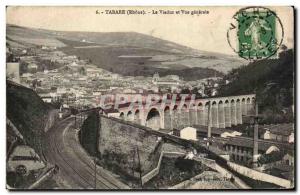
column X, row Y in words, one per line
column 224, row 112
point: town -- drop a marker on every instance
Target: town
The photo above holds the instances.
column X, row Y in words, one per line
column 78, row 83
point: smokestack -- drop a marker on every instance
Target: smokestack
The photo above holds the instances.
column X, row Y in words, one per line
column 209, row 124
column 255, row 136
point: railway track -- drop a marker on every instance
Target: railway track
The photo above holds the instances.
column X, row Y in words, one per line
column 71, row 164
column 89, row 162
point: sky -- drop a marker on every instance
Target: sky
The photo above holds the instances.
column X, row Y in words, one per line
column 206, row 32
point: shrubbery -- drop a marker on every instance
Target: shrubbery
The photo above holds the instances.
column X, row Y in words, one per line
column 272, row 80
column 28, row 113
column 271, row 157
column 89, row 133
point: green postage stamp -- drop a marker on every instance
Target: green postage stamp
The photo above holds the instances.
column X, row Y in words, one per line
column 258, row 31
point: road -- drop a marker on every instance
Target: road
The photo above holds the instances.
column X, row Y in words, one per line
column 76, row 167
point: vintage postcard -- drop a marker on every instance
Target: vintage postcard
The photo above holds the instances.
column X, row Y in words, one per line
column 150, row 98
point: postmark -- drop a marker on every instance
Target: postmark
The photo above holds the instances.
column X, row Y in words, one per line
column 255, row 33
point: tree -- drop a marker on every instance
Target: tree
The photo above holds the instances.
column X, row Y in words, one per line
column 89, row 133
column 185, row 91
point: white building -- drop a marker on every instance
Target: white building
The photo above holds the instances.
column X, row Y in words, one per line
column 288, row 159
column 32, row 66
column 188, row 133
column 156, row 80
column 13, row 71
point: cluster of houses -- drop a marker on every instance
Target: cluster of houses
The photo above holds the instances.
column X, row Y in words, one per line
column 234, row 146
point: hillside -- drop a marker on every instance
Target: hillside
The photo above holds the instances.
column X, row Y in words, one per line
column 273, row 82
column 27, row 112
column 24, row 37
column 133, row 61
column 128, row 53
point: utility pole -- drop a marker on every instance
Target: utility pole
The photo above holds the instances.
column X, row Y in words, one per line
column 96, row 148
column 81, row 130
column 95, row 172
column 140, row 168
column 79, row 120
column 133, row 161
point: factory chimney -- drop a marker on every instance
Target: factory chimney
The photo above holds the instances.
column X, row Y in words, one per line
column 255, row 137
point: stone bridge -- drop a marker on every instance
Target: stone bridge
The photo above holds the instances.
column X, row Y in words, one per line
column 224, row 112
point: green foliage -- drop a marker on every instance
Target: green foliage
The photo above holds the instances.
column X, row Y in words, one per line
column 272, row 80
column 89, row 133
column 271, row 157
column 23, row 67
column 185, row 91
column 27, row 112
column 82, row 71
column 18, row 181
column 47, row 64
column 175, row 170
column 74, row 111
column 184, row 164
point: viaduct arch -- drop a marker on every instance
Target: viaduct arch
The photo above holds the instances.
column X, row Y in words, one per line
column 224, row 112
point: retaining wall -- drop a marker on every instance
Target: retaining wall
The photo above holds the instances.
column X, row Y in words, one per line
column 256, row 175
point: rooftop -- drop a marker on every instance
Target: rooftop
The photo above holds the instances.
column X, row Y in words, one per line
column 214, row 130
column 280, row 129
column 248, row 142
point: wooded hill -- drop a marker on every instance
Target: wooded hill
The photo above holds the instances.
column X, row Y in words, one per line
column 272, row 80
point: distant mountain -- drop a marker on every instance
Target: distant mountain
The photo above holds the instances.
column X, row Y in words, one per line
column 25, row 37
column 129, row 53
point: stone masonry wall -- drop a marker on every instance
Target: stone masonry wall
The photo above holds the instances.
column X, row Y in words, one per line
column 120, row 141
